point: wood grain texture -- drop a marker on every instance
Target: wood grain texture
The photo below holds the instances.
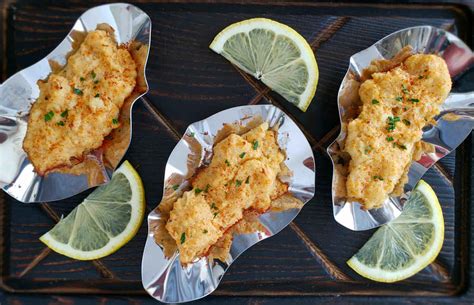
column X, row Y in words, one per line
column 189, row 82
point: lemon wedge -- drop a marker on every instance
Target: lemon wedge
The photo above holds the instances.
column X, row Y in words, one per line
column 273, row 53
column 406, row 245
column 105, row 221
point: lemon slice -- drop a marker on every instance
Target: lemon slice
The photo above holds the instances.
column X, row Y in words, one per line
column 105, row 221
column 407, row 244
column 273, row 53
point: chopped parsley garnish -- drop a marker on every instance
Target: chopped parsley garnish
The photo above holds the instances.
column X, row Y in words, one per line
column 175, row 187
column 374, row 102
column 60, row 123
column 247, row 181
column 197, row 190
column 96, row 81
column 389, row 139
column 65, row 113
column 213, row 206
column 82, row 79
column 414, row 100
column 420, row 77
column 183, row 237
column 378, row 178
column 78, row 91
column 115, row 121
column 207, row 188
column 392, row 121
column 238, row 182
column 93, row 74
column 406, row 122
column 204, row 231
column 401, row 146
column 227, row 162
column 48, row 116
column 242, row 155
column 97, row 95
column 399, row 98
column 404, row 89
column 255, row 145
column 215, row 214
column 191, row 134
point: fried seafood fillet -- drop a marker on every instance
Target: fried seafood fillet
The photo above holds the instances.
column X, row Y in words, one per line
column 382, row 140
column 241, row 176
column 79, row 105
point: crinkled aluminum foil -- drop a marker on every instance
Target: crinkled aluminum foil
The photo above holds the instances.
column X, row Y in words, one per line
column 163, row 277
column 454, row 124
column 17, row 176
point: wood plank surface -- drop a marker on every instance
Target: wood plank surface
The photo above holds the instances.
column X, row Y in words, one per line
column 188, row 82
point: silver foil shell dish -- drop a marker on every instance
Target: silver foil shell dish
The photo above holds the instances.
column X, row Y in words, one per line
column 453, row 124
column 163, row 277
column 131, row 27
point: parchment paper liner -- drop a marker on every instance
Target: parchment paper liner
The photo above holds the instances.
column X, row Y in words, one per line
column 163, row 277
column 131, row 26
column 454, row 123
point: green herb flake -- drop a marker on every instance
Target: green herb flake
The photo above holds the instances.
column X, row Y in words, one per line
column 238, row 182
column 399, row 99
column 78, row 91
column 255, row 145
column 420, row 77
column 93, row 74
column 414, row 100
column 215, row 214
column 406, row 122
column 207, row 188
column 227, row 162
column 374, row 102
column 389, row 139
column 213, row 206
column 367, row 149
column 378, row 178
column 242, row 155
column 96, row 81
column 197, row 190
column 204, row 231
column 404, row 89
column 115, row 121
column 64, row 114
column 247, row 181
column 392, row 121
column 191, row 134
column 183, row 237
column 82, row 79
column 97, row 95
column 48, row 116
column 175, row 187
column 401, row 146
column 60, row 123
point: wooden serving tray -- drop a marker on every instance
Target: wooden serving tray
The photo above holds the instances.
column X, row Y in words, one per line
column 188, row 82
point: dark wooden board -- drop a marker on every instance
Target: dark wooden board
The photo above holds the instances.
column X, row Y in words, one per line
column 188, row 82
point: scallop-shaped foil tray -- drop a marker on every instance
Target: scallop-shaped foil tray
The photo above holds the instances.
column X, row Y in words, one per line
column 164, row 278
column 454, row 123
column 131, row 26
